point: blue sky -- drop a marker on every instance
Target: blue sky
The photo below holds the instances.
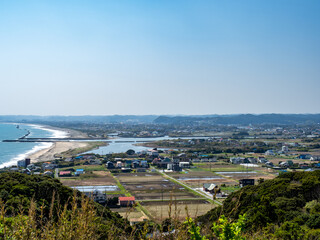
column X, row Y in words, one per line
column 159, row 57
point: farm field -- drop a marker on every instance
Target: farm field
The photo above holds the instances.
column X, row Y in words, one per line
column 220, row 167
column 222, row 174
column 276, row 160
column 151, row 186
column 178, row 209
column 196, row 177
column 94, row 178
column 129, row 212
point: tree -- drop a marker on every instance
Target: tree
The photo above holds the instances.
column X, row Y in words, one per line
column 130, row 152
column 226, row 230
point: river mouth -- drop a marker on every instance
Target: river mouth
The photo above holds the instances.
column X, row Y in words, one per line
column 120, row 145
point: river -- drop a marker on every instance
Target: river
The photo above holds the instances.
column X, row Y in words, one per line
column 120, row 145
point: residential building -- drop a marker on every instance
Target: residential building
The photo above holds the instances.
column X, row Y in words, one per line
column 126, row 201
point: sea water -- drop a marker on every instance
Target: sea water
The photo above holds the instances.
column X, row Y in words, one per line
column 11, row 152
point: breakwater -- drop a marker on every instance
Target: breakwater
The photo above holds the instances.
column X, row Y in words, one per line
column 55, row 139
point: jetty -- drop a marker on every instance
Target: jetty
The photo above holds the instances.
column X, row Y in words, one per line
column 24, row 139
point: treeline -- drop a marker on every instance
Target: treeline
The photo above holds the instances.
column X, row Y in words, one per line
column 50, row 206
column 286, row 207
column 242, row 119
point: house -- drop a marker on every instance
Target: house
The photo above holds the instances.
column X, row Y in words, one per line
column 174, row 166
column 269, row 164
column 144, row 164
column 269, row 153
column 237, row 160
column 284, row 149
column 246, row 182
column 79, row 172
column 284, row 165
column 23, row 163
column 48, row 173
column 65, row 174
column 252, row 160
column 304, row 156
column 95, row 162
column 153, row 152
column 290, row 162
column 126, row 201
column 262, row 160
column 110, row 165
column 315, row 158
column 163, row 163
column 211, row 187
column 31, row 166
column 119, row 164
column 182, row 156
column 48, row 166
column 135, row 164
column 98, row 196
column 184, row 164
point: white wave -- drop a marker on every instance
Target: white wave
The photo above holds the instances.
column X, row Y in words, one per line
column 22, row 156
column 55, row 133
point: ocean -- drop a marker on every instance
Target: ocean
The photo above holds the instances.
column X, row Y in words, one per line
column 11, row 152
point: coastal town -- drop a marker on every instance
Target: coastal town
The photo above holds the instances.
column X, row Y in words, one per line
column 194, row 173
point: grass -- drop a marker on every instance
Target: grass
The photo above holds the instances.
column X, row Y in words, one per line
column 122, row 189
column 87, row 168
column 230, row 189
column 178, row 210
column 76, row 151
column 233, row 169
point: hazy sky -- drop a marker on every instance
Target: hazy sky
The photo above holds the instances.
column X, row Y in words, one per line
column 159, row 57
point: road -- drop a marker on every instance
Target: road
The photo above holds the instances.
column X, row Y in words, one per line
column 187, row 187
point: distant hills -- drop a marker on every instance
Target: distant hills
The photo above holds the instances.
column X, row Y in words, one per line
column 83, row 119
column 239, row 119
column 242, row 119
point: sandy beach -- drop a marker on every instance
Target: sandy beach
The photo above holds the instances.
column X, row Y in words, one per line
column 59, row 147
column 56, row 148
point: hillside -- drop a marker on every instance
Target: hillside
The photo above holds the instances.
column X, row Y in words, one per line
column 242, row 119
column 52, row 209
column 287, row 203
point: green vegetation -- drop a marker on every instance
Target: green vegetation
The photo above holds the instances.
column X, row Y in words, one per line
column 52, row 211
column 289, row 201
column 35, row 207
column 86, row 168
column 76, row 151
column 226, row 230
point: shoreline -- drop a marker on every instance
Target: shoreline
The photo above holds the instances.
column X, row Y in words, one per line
column 56, row 148
column 42, row 152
